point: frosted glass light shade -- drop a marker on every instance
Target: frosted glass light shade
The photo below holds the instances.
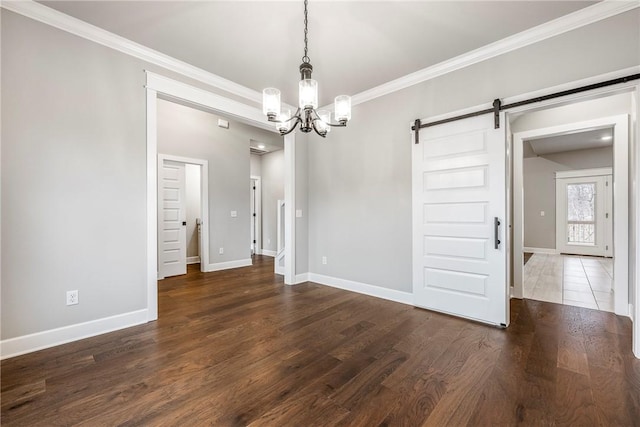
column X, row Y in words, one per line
column 308, row 93
column 271, row 101
column 325, row 117
column 285, row 125
column 343, row 108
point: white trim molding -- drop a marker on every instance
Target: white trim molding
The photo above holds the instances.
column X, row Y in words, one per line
column 242, row 112
column 548, row 251
column 267, row 252
column 193, row 259
column 229, row 265
column 362, row 288
column 561, row 25
column 621, row 181
column 33, row 342
column 153, row 274
column 579, row 173
column 157, row 85
column 301, row 278
column 54, row 18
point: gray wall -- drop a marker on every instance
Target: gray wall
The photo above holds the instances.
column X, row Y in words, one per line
column 272, row 166
column 360, row 176
column 188, row 132
column 73, row 179
column 540, row 190
column 255, row 166
column 73, row 166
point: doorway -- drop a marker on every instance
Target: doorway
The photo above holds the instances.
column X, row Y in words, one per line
column 549, row 275
column 183, row 208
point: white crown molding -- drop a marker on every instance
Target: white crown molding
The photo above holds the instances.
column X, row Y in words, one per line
column 54, row 18
column 572, row 21
column 589, row 15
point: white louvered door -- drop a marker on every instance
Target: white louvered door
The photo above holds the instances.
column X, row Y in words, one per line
column 459, row 194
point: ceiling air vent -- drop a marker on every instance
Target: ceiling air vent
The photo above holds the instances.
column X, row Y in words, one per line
column 259, row 152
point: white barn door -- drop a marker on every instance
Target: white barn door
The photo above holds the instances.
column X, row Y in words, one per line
column 172, row 239
column 459, row 212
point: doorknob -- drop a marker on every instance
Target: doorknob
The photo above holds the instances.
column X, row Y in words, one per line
column 496, row 233
column 184, row 222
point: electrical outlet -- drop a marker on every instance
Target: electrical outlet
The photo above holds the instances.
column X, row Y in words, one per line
column 324, row 260
column 221, row 251
column 72, row 297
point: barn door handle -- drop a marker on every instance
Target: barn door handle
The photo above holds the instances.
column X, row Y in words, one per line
column 496, row 232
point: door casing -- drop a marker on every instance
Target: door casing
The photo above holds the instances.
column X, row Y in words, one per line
column 620, row 124
column 204, row 204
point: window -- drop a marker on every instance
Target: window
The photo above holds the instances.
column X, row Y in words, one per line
column 581, row 213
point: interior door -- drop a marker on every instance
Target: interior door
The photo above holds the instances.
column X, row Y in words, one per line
column 583, row 217
column 459, row 205
column 173, row 226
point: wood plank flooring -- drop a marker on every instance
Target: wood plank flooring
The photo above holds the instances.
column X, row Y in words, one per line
column 238, row 348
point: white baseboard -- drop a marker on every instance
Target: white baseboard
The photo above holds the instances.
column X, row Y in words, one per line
column 40, row 340
column 269, row 253
column 631, row 312
column 362, row 288
column 229, row 264
column 193, row 259
column 540, row 251
column 301, row 278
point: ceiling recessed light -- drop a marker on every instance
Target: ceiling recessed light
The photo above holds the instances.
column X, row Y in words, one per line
column 606, row 138
column 261, row 146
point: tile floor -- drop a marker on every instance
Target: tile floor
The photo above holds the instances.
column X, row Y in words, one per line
column 571, row 280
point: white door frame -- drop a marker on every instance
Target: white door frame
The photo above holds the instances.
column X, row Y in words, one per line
column 620, row 124
column 257, row 247
column 173, row 89
column 204, row 203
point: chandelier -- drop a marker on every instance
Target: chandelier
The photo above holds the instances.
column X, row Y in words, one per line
column 306, row 115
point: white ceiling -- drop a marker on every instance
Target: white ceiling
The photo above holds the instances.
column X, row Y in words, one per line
column 353, row 45
column 582, row 140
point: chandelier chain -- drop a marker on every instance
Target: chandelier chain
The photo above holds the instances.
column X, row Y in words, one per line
column 305, row 58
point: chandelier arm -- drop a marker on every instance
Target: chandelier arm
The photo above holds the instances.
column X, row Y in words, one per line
column 335, row 125
column 298, row 121
column 313, row 125
column 296, row 115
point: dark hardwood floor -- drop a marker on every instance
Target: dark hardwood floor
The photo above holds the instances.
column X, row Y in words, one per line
column 238, row 348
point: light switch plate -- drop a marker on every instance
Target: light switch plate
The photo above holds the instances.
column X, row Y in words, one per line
column 234, row 214
column 298, row 213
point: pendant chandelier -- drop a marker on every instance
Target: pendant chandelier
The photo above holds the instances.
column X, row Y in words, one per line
column 306, row 115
